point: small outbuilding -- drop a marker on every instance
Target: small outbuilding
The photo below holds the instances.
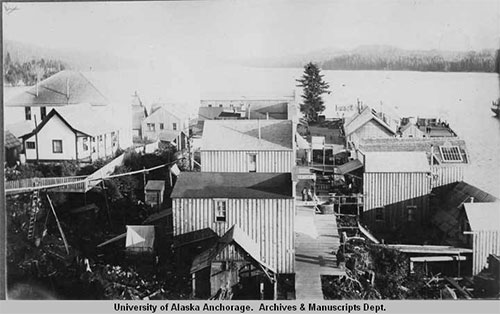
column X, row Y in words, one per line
column 153, row 192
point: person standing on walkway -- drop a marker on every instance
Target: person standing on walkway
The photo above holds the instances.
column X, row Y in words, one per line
column 304, row 194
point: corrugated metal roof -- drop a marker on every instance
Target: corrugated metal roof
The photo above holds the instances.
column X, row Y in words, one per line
column 10, row 141
column 244, row 135
column 396, row 162
column 362, row 118
column 61, row 89
column 483, row 216
column 234, row 235
column 155, row 185
column 350, row 166
column 398, row 144
column 233, row 185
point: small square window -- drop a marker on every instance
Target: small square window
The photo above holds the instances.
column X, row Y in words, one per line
column 85, row 144
column 43, row 112
column 411, row 212
column 30, row 145
column 57, row 147
column 379, row 214
column 220, row 210
column 174, row 126
column 162, row 126
column 27, row 113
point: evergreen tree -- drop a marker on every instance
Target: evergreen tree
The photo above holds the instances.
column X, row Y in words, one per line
column 314, row 87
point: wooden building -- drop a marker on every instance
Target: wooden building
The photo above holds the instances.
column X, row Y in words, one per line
column 13, row 148
column 468, row 217
column 139, row 113
column 262, row 205
column 85, row 99
column 424, row 127
column 248, row 146
column 162, row 118
column 396, row 188
column 247, row 107
column 71, row 137
column 483, row 226
column 234, row 260
column 447, row 156
column 153, row 192
column 367, row 124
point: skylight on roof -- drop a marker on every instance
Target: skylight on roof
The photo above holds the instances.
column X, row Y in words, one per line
column 450, row 153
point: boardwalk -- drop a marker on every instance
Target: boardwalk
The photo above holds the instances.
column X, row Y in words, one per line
column 316, row 242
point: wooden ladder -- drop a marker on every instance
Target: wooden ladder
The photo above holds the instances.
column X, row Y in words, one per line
column 35, row 207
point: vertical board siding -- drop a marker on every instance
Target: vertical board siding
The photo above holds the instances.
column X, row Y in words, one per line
column 443, row 175
column 486, row 242
column 269, row 222
column 383, row 189
column 237, row 161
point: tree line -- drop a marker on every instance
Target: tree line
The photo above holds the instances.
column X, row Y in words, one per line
column 27, row 73
column 469, row 62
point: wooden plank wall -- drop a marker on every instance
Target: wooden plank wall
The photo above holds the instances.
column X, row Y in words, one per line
column 382, row 189
column 269, row 222
column 443, row 175
column 237, row 161
column 486, row 242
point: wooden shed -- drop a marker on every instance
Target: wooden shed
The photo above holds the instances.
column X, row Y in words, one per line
column 260, row 204
column 248, row 146
column 367, row 124
column 396, row 186
column 447, row 156
column 153, row 192
column 484, row 225
column 234, row 260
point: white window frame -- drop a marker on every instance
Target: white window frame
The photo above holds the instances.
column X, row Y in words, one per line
column 383, row 214
column 249, row 155
column 220, row 216
column 450, row 147
column 53, row 147
column 413, row 210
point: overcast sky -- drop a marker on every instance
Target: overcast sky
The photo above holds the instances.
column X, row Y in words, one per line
column 207, row 30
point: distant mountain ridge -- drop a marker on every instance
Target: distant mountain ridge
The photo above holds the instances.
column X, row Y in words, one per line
column 380, row 57
column 73, row 59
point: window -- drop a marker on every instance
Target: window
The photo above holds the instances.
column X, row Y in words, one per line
column 57, row 147
column 27, row 113
column 220, row 105
column 450, row 153
column 151, row 127
column 411, row 212
column 220, row 210
column 114, row 139
column 379, row 214
column 43, row 112
column 161, row 126
column 85, row 144
column 252, row 162
column 30, row 145
column 174, row 126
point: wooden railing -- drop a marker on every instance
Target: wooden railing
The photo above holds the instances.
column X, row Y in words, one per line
column 81, row 186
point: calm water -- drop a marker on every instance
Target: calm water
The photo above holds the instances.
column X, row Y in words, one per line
column 463, row 99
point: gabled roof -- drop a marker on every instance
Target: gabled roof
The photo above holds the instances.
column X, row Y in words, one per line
column 234, row 236
column 350, row 166
column 362, row 118
column 244, row 135
column 233, row 185
column 210, row 113
column 396, row 162
column 61, row 89
column 155, row 185
column 483, row 216
column 10, row 141
column 398, row 144
column 168, row 135
column 53, row 113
